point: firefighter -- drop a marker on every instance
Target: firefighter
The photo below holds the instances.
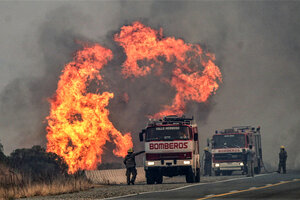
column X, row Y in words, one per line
column 250, row 161
column 282, row 160
column 130, row 164
column 207, row 162
column 244, row 159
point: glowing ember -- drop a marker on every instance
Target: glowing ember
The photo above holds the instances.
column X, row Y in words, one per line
column 78, row 124
column 194, row 75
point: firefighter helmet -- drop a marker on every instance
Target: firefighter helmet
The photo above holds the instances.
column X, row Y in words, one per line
column 206, row 149
column 130, row 150
column 281, row 147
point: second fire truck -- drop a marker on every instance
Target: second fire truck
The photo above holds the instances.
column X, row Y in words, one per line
column 172, row 148
column 228, row 145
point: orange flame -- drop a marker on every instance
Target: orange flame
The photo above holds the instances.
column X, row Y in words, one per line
column 194, row 75
column 78, row 124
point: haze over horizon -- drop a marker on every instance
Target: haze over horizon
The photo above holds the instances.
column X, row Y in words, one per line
column 256, row 45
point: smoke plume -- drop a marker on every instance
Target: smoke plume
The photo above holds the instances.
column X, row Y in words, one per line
column 256, row 46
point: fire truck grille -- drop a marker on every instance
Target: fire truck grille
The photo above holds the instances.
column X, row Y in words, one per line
column 228, row 157
column 168, row 156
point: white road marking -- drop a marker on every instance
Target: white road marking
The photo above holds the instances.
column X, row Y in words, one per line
column 233, row 191
column 128, row 195
column 187, row 186
column 252, row 188
column 210, row 195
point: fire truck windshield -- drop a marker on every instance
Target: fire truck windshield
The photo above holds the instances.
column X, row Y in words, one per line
column 229, row 141
column 167, row 133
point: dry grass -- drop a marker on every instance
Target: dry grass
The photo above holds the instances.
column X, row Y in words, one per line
column 13, row 185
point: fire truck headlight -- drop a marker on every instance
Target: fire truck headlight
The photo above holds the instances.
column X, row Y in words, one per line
column 150, row 163
column 186, row 162
column 217, row 165
column 241, row 164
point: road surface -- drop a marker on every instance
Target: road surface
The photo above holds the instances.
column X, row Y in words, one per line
column 263, row 186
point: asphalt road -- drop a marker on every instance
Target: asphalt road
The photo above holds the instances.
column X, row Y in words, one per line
column 263, row 186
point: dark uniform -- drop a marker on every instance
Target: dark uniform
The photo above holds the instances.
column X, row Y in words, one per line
column 130, row 164
column 207, row 163
column 244, row 159
column 250, row 161
column 282, row 160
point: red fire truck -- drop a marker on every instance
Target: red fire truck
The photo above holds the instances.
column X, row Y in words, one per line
column 172, row 149
column 228, row 145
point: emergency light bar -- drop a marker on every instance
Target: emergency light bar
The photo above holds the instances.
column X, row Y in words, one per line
column 172, row 119
column 239, row 129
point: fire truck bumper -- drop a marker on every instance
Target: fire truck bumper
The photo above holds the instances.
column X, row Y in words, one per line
column 167, row 163
column 169, row 167
column 234, row 166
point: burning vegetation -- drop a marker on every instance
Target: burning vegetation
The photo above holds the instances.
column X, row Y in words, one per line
column 78, row 123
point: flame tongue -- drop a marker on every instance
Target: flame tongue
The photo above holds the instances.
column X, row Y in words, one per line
column 194, row 75
column 78, row 124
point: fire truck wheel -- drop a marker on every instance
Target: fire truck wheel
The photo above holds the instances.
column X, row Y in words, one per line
column 159, row 179
column 197, row 179
column 150, row 178
column 190, row 176
column 217, row 173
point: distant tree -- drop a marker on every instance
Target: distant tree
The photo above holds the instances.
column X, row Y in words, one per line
column 37, row 163
column 1, row 146
column 3, row 158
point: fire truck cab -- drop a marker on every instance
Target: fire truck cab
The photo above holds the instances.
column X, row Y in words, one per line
column 228, row 145
column 172, row 149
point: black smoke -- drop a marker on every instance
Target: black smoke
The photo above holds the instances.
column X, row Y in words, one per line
column 256, row 46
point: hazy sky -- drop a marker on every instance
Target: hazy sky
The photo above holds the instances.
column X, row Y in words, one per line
column 257, row 46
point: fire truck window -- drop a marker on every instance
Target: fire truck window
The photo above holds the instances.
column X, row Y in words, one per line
column 229, row 141
column 167, row 133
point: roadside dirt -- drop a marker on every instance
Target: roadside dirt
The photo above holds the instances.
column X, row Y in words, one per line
column 107, row 191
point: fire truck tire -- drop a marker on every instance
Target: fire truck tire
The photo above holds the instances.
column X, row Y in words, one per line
column 197, row 179
column 190, row 176
column 150, row 178
column 159, row 179
column 217, row 173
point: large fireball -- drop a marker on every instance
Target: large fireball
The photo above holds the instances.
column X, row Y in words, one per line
column 194, row 75
column 78, row 123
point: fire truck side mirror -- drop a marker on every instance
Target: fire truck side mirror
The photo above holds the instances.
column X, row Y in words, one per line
column 208, row 142
column 141, row 135
column 196, row 137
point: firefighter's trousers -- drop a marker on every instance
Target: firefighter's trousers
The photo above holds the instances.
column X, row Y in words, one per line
column 250, row 166
column 207, row 168
column 283, row 166
column 129, row 171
